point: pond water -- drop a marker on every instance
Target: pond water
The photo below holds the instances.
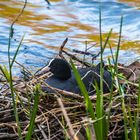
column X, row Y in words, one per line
column 46, row 26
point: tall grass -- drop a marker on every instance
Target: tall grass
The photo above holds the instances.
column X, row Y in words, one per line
column 8, row 76
column 98, row 115
column 33, row 113
column 7, row 72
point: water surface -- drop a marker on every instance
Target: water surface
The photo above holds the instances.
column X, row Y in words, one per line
column 46, row 26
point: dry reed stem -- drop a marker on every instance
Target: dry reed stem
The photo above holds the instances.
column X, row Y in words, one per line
column 71, row 132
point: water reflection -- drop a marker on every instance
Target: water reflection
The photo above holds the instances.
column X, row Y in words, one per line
column 46, row 28
column 134, row 3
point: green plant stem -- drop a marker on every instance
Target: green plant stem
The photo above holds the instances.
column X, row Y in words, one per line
column 11, row 84
column 34, row 112
column 100, row 114
column 118, row 46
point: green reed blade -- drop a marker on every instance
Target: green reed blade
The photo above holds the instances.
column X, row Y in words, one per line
column 34, row 112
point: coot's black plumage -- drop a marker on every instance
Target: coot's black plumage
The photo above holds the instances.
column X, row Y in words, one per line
column 63, row 77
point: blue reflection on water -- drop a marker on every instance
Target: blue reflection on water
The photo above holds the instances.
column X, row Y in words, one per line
column 86, row 12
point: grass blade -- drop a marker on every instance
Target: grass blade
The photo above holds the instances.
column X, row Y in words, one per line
column 17, row 50
column 34, row 112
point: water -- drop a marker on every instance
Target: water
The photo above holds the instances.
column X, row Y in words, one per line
column 46, row 26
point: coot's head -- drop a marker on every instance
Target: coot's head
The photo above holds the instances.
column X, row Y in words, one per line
column 60, row 68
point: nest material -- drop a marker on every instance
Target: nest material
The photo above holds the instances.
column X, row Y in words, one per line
column 50, row 122
column 63, row 114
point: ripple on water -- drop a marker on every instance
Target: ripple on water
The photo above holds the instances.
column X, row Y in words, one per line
column 46, row 28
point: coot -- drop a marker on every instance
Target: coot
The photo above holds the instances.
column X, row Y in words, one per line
column 64, row 79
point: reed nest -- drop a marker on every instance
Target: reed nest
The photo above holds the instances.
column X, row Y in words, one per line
column 63, row 114
column 50, row 122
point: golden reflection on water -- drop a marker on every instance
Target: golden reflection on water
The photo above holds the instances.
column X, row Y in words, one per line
column 9, row 12
column 132, row 2
column 50, row 28
column 43, row 23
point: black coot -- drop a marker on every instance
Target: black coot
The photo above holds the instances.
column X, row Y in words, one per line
column 63, row 77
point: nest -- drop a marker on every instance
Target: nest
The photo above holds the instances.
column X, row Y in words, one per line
column 63, row 114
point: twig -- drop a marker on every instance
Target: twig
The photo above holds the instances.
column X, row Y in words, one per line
column 61, row 48
column 70, row 55
column 42, row 131
column 71, row 131
column 62, row 92
column 113, row 131
column 86, row 53
column 48, row 2
column 75, row 58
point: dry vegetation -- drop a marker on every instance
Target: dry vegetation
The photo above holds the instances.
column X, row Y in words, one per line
column 63, row 114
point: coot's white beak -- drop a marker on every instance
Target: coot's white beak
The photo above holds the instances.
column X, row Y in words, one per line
column 43, row 70
column 46, row 69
